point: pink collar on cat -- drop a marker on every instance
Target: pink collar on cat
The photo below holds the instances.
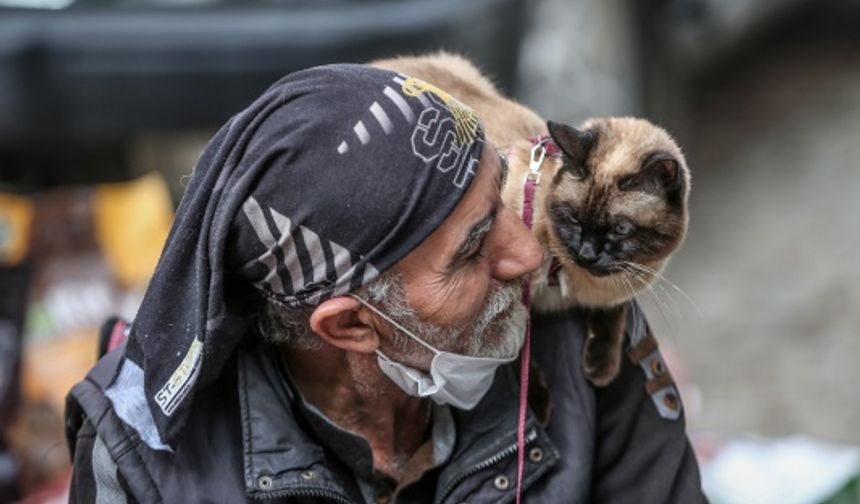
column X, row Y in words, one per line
column 552, row 148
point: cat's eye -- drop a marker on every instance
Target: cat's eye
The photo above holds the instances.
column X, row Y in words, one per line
column 622, row 228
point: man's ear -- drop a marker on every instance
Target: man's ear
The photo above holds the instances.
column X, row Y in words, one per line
column 344, row 323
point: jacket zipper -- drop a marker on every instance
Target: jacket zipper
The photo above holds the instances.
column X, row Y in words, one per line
column 304, row 492
column 326, row 494
column 495, row 459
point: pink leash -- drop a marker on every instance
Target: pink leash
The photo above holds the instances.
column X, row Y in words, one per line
column 117, row 335
column 531, row 181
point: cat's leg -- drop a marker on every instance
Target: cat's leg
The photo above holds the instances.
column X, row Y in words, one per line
column 601, row 354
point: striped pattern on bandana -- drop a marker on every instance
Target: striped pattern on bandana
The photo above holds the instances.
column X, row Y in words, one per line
column 330, row 177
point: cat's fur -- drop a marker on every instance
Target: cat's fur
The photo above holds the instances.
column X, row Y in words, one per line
column 615, row 176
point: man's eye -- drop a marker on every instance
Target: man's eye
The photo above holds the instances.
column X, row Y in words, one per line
column 476, row 252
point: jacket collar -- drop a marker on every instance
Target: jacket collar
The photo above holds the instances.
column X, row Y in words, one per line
column 487, row 438
column 281, row 458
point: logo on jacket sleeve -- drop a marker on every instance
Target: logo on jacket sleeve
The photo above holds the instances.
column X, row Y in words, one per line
column 180, row 382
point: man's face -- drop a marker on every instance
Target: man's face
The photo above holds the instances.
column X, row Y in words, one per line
column 463, row 282
column 497, row 331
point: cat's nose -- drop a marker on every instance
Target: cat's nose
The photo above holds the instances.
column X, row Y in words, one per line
column 587, row 253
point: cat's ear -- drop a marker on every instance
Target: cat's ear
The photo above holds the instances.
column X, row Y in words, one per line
column 573, row 142
column 665, row 171
column 660, row 174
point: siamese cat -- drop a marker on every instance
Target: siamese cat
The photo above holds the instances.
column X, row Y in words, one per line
column 610, row 208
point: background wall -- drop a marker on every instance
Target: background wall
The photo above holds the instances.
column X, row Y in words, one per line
column 765, row 100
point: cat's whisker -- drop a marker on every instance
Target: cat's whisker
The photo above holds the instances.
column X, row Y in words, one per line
column 639, row 268
column 651, row 285
column 618, row 280
column 661, row 277
column 662, row 307
column 648, row 284
column 669, row 325
column 624, row 283
column 675, row 305
column 630, row 287
column 616, row 283
column 629, row 284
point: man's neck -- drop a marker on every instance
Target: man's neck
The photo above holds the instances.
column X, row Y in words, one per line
column 352, row 392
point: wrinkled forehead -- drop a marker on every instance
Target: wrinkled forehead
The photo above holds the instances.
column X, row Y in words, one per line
column 481, row 197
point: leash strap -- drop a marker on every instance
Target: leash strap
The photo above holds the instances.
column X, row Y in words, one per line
column 552, row 148
column 531, row 181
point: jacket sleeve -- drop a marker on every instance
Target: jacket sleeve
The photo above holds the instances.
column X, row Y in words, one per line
column 640, row 456
column 94, row 474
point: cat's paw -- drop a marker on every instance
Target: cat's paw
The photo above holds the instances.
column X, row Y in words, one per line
column 601, row 352
column 600, row 371
column 600, row 376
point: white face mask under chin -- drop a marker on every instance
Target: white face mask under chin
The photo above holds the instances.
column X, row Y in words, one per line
column 458, row 380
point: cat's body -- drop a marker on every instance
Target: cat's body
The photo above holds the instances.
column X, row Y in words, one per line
column 610, row 209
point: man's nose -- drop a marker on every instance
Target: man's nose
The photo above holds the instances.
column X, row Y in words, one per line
column 517, row 252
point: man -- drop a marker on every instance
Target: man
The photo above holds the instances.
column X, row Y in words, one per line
column 335, row 318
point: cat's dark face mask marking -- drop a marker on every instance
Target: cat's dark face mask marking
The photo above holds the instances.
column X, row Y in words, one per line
column 619, row 198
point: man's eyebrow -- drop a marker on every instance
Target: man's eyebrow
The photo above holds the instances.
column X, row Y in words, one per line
column 477, row 233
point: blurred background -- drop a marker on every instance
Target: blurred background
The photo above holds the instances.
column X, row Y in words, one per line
column 106, row 104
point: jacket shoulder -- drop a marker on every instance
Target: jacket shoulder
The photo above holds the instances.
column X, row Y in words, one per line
column 90, row 417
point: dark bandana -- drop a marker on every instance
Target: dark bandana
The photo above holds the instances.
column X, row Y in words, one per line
column 329, row 178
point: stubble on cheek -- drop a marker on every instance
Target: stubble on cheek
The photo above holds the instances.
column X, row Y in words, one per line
column 496, row 331
column 499, row 329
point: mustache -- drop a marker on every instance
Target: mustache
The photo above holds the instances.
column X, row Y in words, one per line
column 503, row 316
column 501, row 300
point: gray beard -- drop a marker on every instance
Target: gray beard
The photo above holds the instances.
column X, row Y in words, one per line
column 498, row 331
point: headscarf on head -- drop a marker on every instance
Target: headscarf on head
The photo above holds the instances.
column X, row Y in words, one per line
column 330, row 177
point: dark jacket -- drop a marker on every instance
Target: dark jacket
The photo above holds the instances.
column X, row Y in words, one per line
column 244, row 442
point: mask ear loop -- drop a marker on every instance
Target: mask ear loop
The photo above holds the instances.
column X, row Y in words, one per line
column 395, row 324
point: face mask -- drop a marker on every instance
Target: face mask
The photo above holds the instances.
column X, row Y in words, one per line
column 458, row 380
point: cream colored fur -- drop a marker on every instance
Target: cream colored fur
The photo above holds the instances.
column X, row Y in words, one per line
column 509, row 126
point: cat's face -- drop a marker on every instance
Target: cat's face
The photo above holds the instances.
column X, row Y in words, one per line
column 620, row 196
